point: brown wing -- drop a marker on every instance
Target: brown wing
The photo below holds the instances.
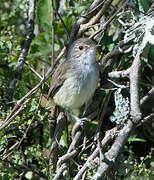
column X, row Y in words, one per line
column 58, row 78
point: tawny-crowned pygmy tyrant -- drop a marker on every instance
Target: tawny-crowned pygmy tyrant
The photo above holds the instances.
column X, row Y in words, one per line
column 76, row 78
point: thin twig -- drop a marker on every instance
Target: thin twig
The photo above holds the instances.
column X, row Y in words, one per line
column 103, row 27
column 109, row 135
column 22, row 103
column 96, row 18
column 150, row 116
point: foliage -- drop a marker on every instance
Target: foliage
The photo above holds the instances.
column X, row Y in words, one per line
column 30, row 158
column 133, row 169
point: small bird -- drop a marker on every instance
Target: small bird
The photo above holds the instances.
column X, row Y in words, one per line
column 76, row 78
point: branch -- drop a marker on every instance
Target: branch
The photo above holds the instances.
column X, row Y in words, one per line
column 96, row 18
column 134, row 89
column 150, row 116
column 148, row 96
column 120, row 74
column 109, row 135
column 117, row 51
column 62, row 166
column 111, row 156
column 22, row 103
column 103, row 27
column 19, row 66
column 85, row 18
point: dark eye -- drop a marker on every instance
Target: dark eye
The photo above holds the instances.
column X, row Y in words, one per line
column 80, row 47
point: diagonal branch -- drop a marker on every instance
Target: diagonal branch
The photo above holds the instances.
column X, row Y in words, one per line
column 89, row 14
column 24, row 100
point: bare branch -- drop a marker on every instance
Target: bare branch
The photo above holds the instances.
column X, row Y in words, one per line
column 150, row 116
column 19, row 107
column 91, row 12
column 111, row 156
column 148, row 96
column 62, row 165
column 134, row 89
column 96, row 18
column 120, row 74
column 110, row 135
column 103, row 27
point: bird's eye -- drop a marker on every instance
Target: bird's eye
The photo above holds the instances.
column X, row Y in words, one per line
column 80, row 47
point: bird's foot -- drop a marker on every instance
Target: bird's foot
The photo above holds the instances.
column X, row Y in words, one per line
column 80, row 120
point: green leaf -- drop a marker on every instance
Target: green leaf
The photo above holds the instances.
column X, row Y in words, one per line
column 111, row 46
column 29, row 175
column 145, row 5
column 134, row 139
column 107, row 40
column 9, row 44
column 151, row 53
column 80, row 9
column 57, row 47
column 44, row 13
column 59, row 29
column 42, row 44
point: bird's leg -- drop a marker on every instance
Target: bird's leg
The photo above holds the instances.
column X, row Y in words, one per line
column 79, row 120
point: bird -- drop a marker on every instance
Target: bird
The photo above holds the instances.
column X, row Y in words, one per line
column 75, row 80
